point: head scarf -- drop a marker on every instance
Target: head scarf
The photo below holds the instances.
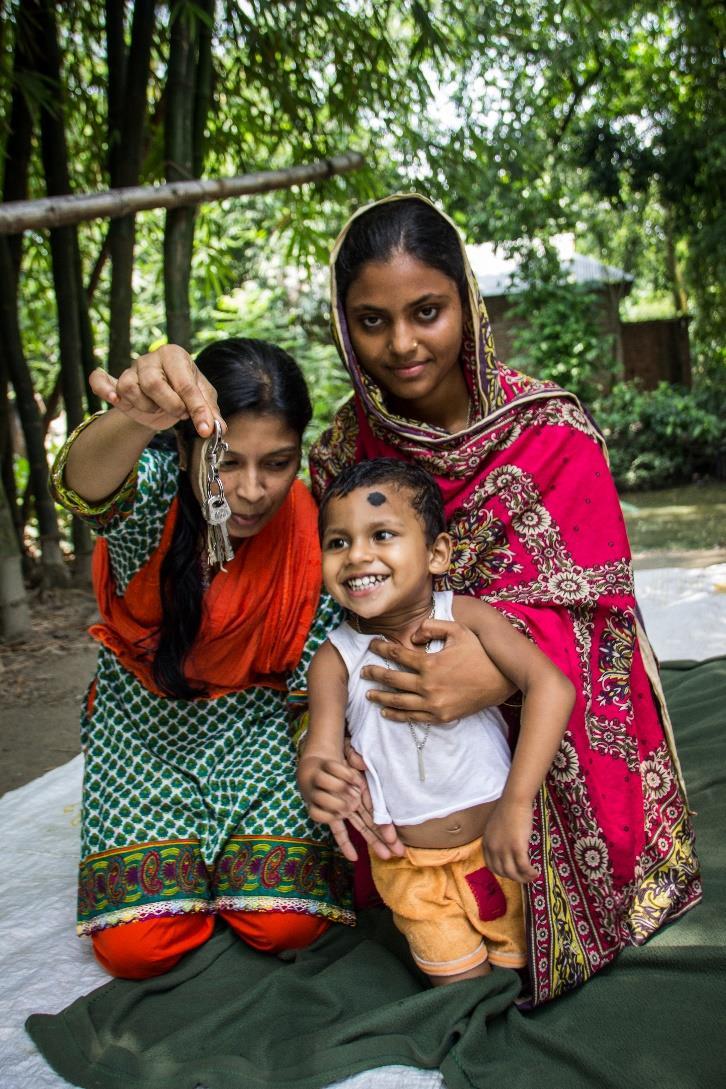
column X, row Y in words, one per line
column 257, row 612
column 538, row 533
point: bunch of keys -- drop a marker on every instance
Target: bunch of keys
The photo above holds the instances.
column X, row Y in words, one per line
column 215, row 508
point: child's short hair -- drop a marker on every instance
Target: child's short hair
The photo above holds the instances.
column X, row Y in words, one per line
column 424, row 491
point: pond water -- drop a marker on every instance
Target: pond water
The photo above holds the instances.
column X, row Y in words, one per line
column 676, row 519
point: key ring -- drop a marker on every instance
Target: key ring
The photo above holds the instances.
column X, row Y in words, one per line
column 215, row 442
column 215, row 449
column 212, row 450
column 215, row 508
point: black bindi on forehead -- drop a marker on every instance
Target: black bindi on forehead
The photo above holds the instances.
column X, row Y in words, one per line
column 376, row 499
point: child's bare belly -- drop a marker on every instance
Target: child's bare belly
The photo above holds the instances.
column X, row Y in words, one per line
column 450, row 831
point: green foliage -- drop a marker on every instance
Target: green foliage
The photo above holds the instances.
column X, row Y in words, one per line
column 652, row 138
column 709, row 367
column 660, row 437
column 521, row 119
column 558, row 334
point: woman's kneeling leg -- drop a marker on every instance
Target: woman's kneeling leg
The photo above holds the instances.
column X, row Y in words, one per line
column 273, row 931
column 150, row 947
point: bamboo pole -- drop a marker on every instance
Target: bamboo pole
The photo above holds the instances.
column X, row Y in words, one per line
column 20, row 215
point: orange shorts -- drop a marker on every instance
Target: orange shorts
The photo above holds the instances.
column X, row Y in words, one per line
column 454, row 912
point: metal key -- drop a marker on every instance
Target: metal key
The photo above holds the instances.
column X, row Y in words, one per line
column 215, row 508
column 219, row 546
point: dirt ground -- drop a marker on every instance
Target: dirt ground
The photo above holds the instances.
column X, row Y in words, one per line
column 43, row 682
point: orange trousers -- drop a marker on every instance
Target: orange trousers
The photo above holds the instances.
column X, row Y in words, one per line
column 151, row 947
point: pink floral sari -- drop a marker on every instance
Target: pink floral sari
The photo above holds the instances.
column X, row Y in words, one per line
column 538, row 533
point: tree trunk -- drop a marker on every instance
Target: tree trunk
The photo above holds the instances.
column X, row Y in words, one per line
column 54, row 570
column 98, row 266
column 7, row 461
column 178, row 140
column 52, row 406
column 20, row 134
column 88, row 355
column 14, row 613
column 202, row 87
column 74, row 333
column 678, row 290
column 188, row 94
column 127, row 91
column 14, row 366
column 15, row 187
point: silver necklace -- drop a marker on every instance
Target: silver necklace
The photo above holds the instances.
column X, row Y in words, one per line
column 418, row 740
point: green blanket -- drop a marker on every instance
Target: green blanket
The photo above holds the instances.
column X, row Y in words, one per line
column 230, row 1018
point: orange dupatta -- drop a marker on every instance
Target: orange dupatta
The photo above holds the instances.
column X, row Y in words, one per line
column 256, row 615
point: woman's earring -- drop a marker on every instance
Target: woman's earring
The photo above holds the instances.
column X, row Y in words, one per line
column 415, row 345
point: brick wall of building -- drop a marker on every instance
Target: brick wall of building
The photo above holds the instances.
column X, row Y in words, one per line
column 657, row 351
column 504, row 325
column 649, row 351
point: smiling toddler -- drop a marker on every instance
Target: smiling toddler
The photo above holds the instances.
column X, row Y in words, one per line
column 461, row 804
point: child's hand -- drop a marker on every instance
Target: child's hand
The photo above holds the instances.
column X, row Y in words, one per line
column 506, row 841
column 332, row 789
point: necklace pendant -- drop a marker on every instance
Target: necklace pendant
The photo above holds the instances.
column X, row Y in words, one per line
column 419, row 743
column 421, row 767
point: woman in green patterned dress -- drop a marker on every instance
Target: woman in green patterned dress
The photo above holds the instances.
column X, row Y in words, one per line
column 190, row 806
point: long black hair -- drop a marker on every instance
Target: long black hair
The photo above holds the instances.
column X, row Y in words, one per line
column 249, row 376
column 408, row 226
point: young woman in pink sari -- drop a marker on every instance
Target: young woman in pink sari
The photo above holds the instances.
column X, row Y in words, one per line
column 538, row 533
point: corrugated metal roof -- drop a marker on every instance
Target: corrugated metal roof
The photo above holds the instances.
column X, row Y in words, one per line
column 497, row 274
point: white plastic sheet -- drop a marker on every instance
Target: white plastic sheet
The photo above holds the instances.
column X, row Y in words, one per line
column 684, row 610
column 44, row 966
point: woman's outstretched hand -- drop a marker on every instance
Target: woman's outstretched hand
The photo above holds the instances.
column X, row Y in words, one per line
column 460, row 680
column 160, row 389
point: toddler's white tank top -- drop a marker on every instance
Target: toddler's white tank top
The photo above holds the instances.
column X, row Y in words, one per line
column 465, row 762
